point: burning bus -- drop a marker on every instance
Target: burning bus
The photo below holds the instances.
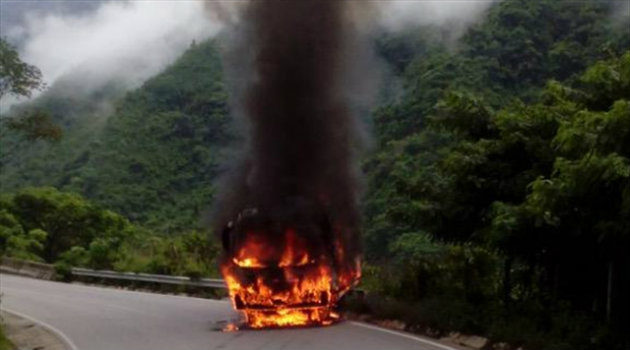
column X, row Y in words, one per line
column 287, row 212
column 284, row 266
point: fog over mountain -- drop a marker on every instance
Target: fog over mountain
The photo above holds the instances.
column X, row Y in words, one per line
column 123, row 41
column 92, row 43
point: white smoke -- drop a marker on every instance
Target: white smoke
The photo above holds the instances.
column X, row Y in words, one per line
column 398, row 14
column 129, row 41
column 123, row 41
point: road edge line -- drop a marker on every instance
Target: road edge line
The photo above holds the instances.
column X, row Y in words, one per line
column 64, row 338
column 404, row 335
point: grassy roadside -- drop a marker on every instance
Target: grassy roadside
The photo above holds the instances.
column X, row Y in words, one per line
column 5, row 344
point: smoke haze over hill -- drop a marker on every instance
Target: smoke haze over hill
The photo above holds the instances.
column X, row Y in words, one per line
column 124, row 41
column 98, row 42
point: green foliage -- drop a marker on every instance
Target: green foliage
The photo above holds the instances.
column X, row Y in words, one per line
column 26, row 246
column 44, row 224
column 511, row 54
column 20, row 79
column 75, row 256
column 15, row 241
column 5, row 344
column 17, row 77
column 153, row 160
column 540, row 187
column 440, row 287
column 527, row 43
column 9, row 226
column 158, row 159
column 34, row 126
column 59, row 221
column 190, row 254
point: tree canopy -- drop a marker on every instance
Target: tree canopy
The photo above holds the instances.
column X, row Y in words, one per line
column 17, row 78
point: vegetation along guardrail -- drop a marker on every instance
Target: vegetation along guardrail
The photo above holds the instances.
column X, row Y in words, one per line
column 26, row 268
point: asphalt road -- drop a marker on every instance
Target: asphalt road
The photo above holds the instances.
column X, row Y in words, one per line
column 92, row 318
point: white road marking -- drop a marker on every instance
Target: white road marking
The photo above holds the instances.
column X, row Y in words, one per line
column 404, row 335
column 414, row 338
column 64, row 338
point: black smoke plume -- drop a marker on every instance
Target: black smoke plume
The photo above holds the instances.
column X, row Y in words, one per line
column 289, row 62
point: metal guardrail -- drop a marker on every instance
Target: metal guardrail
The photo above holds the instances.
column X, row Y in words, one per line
column 145, row 277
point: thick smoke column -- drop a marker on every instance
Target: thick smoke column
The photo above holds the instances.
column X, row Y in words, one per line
column 301, row 131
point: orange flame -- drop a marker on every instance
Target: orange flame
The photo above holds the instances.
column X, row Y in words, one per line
column 297, row 290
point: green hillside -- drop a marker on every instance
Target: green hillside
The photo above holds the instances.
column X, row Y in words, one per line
column 152, row 156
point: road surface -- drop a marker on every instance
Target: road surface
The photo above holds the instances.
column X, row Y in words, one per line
column 92, row 318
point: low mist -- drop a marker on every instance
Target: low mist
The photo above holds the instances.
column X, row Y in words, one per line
column 91, row 45
column 122, row 41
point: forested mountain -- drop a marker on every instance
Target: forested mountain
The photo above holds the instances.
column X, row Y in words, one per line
column 152, row 155
column 500, row 153
column 111, row 150
column 510, row 54
column 451, row 96
column 498, row 192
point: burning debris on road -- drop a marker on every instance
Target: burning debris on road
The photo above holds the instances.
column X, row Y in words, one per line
column 288, row 216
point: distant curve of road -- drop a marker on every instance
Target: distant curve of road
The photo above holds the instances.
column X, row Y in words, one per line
column 93, row 318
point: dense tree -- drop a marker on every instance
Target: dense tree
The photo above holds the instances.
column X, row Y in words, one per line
column 43, row 224
column 511, row 54
column 63, row 219
column 543, row 185
column 20, row 79
column 17, row 77
column 35, row 125
column 153, row 160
